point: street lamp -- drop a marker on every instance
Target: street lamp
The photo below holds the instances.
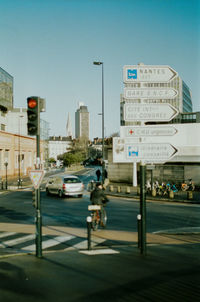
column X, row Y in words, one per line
column 19, row 155
column 6, row 165
column 103, row 154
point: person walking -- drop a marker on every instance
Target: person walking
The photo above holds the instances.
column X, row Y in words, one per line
column 98, row 174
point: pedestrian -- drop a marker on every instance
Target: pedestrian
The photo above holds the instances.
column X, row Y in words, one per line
column 98, row 174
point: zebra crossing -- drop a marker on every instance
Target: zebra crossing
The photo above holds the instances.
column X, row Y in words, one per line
column 26, row 242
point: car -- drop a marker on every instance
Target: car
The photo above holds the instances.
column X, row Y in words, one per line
column 65, row 185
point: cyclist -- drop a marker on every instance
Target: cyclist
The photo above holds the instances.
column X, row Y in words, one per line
column 98, row 196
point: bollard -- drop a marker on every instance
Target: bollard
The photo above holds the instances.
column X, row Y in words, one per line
column 89, row 225
column 128, row 190
column 118, row 189
column 111, row 188
column 189, row 195
column 153, row 192
column 139, row 217
column 171, row 194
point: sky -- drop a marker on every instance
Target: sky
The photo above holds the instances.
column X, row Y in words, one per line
column 49, row 46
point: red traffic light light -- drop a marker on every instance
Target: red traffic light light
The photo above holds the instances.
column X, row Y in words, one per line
column 32, row 103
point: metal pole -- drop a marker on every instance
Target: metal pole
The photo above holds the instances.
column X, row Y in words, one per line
column 139, row 230
column 89, row 222
column 6, row 164
column 38, row 238
column 103, row 153
column 143, row 207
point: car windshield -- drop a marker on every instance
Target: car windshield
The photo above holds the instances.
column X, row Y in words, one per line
column 71, row 180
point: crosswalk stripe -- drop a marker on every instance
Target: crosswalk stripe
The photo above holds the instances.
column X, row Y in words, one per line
column 17, row 240
column 83, row 244
column 6, row 234
column 49, row 243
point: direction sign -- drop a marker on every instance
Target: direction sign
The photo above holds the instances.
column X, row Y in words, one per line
column 125, row 151
column 147, row 131
column 149, row 112
column 148, row 73
column 147, row 93
column 36, row 177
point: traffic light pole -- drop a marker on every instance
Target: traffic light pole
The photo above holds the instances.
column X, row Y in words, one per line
column 143, row 208
column 38, row 238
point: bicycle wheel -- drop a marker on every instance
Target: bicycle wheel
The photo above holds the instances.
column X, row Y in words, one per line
column 103, row 218
column 95, row 221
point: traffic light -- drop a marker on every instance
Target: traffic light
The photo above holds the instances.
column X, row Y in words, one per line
column 34, row 198
column 33, row 115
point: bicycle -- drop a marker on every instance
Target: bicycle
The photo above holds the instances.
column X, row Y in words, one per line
column 99, row 216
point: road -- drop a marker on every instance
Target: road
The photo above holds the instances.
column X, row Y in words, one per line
column 71, row 212
column 113, row 270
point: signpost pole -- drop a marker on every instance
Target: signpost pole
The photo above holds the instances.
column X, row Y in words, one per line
column 143, row 208
column 38, row 238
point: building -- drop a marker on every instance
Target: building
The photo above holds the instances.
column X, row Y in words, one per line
column 6, row 90
column 17, row 149
column 82, row 122
column 59, row 145
column 69, row 126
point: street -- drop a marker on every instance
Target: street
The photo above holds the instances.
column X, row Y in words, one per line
column 114, row 269
column 71, row 212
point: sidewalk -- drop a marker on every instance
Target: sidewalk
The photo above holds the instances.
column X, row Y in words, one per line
column 167, row 273
column 124, row 190
column 114, row 271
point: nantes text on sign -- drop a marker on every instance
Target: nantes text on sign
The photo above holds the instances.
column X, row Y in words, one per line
column 149, row 112
column 147, row 73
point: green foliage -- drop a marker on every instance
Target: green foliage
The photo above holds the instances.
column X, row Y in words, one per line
column 72, row 158
column 52, row 160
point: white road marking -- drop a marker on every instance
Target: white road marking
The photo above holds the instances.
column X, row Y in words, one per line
column 99, row 252
column 49, row 243
column 6, row 234
column 17, row 240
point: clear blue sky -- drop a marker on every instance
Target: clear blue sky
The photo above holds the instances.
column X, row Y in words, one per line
column 49, row 46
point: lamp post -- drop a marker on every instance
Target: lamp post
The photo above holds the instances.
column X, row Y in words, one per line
column 6, row 184
column 19, row 155
column 103, row 154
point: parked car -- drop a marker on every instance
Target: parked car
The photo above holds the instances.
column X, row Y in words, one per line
column 65, row 185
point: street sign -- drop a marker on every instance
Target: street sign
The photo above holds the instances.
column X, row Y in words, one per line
column 149, row 112
column 147, row 131
column 125, row 151
column 36, row 177
column 147, row 93
column 148, row 73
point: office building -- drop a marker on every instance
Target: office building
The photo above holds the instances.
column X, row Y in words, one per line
column 82, row 122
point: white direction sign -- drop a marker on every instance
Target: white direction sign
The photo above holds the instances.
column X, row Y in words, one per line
column 149, row 112
column 147, row 93
column 147, row 73
column 36, row 177
column 147, row 131
column 125, row 151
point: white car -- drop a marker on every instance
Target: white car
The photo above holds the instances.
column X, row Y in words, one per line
column 65, row 185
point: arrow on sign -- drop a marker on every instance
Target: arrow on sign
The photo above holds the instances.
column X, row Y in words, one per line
column 147, row 131
column 36, row 177
column 144, row 93
column 150, row 152
column 147, row 73
column 149, row 112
